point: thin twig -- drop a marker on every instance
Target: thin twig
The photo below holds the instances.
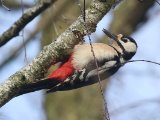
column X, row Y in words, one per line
column 106, row 113
column 24, row 20
column 2, row 2
column 24, row 45
column 143, row 61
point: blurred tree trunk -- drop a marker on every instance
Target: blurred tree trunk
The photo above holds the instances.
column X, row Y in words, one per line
column 129, row 15
column 85, row 103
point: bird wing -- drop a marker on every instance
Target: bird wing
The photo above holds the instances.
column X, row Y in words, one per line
column 84, row 77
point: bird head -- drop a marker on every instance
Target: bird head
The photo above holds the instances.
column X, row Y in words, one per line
column 125, row 45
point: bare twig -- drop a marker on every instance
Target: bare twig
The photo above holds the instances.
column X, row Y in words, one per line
column 2, row 2
column 16, row 50
column 42, row 24
column 149, row 61
column 106, row 113
column 24, row 45
column 24, row 20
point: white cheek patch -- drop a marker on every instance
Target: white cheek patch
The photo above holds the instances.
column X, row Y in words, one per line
column 130, row 47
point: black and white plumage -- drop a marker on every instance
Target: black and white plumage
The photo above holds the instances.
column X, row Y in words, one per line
column 109, row 58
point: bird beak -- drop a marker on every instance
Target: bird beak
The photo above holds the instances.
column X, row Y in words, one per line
column 110, row 35
column 114, row 37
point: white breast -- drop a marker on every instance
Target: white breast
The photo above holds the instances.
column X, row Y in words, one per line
column 82, row 54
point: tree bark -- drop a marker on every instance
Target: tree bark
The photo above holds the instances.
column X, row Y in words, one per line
column 52, row 53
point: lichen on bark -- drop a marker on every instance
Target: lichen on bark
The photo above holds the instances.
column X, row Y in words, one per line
column 51, row 53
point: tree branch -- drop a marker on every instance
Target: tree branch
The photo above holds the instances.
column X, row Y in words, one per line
column 42, row 24
column 23, row 21
column 53, row 52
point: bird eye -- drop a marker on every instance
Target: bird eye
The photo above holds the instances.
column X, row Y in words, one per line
column 124, row 40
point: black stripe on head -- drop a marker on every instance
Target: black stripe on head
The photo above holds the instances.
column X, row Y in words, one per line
column 131, row 39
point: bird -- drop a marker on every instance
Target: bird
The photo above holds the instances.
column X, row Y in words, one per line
column 80, row 70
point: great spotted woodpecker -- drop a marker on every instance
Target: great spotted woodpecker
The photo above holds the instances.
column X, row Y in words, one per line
column 80, row 69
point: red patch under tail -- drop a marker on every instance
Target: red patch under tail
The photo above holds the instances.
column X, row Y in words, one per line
column 63, row 72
